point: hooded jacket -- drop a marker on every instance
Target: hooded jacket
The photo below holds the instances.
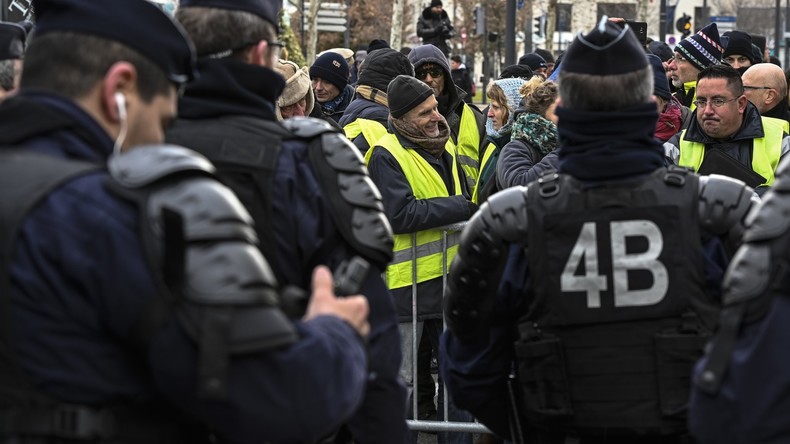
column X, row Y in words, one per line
column 435, row 30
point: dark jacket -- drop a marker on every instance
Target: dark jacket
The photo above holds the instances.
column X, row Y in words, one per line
column 408, row 215
column 435, row 30
column 463, row 80
column 79, row 283
column 780, row 111
column 305, row 233
column 520, row 163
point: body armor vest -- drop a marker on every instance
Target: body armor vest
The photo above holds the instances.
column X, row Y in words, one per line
column 612, row 329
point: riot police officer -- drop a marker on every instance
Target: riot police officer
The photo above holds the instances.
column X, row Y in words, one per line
column 304, row 184
column 609, row 271
column 136, row 306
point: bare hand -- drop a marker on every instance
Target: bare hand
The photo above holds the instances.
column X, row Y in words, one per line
column 352, row 309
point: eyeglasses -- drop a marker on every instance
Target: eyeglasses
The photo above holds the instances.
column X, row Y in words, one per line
column 757, row 87
column 678, row 59
column 434, row 72
column 716, row 103
column 276, row 48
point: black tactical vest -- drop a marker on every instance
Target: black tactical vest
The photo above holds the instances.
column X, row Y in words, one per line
column 619, row 314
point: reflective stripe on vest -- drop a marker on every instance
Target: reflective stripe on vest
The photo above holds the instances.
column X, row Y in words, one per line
column 765, row 156
column 371, row 130
column 489, row 151
column 469, row 146
column 426, row 183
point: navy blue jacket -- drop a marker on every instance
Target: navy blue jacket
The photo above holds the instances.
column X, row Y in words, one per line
column 302, row 224
column 79, row 282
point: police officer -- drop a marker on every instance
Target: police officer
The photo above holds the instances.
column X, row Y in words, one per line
column 136, row 307
column 304, row 185
column 599, row 281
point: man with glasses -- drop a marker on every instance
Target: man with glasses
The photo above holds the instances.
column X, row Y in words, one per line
column 728, row 136
column 765, row 86
column 466, row 122
column 287, row 176
column 692, row 55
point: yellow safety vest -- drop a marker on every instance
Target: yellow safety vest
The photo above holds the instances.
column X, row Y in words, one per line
column 468, row 146
column 686, row 87
column 426, row 183
column 371, row 130
column 489, row 150
column 766, row 150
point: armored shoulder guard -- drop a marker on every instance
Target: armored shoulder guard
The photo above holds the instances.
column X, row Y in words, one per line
column 756, row 271
column 212, row 275
column 724, row 203
column 308, row 127
column 477, row 268
column 354, row 201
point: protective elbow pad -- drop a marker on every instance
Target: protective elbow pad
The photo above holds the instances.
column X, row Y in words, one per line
column 200, row 238
column 724, row 204
column 475, row 272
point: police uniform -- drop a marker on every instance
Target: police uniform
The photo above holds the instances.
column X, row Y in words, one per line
column 607, row 276
column 310, row 197
column 136, row 300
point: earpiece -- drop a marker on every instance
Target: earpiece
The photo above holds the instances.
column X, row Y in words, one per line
column 120, row 102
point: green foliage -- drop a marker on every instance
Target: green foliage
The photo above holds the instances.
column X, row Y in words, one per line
column 288, row 37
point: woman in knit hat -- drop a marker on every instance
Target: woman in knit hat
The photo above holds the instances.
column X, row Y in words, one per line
column 297, row 98
column 505, row 98
column 534, row 135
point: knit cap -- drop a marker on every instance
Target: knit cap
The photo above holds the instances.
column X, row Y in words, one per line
column 534, row 61
column 297, row 86
column 660, row 82
column 436, row 3
column 738, row 43
column 661, row 49
column 606, row 50
column 511, row 88
column 331, row 67
column 405, row 93
column 702, row 49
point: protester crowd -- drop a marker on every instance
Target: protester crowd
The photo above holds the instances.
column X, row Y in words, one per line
column 206, row 242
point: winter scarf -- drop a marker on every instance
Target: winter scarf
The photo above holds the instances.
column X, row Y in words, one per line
column 372, row 94
column 330, row 106
column 537, row 131
column 598, row 145
column 670, row 121
column 433, row 145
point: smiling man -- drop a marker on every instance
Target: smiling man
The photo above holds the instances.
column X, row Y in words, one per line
column 728, row 136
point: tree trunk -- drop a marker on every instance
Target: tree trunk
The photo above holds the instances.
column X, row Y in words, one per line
column 312, row 31
column 396, row 31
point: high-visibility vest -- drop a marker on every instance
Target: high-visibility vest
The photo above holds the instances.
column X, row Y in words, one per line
column 426, row 183
column 489, row 151
column 371, row 130
column 468, row 146
column 766, row 150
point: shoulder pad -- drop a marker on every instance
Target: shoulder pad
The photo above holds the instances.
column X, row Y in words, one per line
column 771, row 220
column 145, row 165
column 749, row 274
column 724, row 202
column 354, row 201
column 308, row 127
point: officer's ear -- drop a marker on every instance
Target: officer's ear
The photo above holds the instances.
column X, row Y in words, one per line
column 259, row 54
column 121, row 78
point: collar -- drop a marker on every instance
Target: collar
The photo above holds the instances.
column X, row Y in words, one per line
column 231, row 87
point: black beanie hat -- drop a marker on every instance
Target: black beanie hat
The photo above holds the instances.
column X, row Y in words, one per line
column 331, row 67
column 661, row 49
column 517, row 71
column 377, row 44
column 738, row 43
column 534, row 61
column 436, row 3
column 404, row 93
column 606, row 50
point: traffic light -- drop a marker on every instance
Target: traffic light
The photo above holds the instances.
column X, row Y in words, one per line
column 683, row 25
column 540, row 26
column 480, row 20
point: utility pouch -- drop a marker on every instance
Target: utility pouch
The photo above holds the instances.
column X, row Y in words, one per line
column 543, row 377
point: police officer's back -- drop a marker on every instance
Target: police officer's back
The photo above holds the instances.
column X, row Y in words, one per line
column 304, row 184
column 136, row 306
column 608, row 271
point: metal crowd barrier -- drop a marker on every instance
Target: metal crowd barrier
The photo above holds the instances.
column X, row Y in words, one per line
column 448, row 231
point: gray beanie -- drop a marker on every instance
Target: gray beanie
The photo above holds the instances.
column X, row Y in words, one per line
column 404, row 93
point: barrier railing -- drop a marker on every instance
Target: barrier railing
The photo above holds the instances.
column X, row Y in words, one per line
column 452, row 231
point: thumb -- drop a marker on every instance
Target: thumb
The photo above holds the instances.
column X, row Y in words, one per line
column 322, row 282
